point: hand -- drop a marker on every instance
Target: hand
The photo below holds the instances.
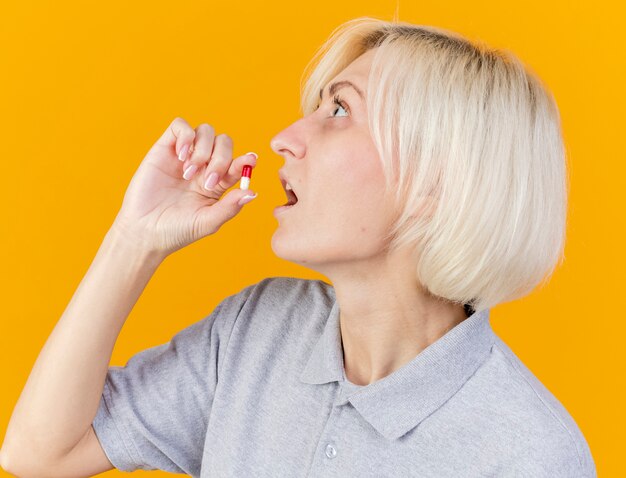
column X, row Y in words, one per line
column 164, row 211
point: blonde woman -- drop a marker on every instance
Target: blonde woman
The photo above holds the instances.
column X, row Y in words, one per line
column 427, row 181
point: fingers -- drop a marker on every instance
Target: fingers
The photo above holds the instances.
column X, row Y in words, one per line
column 201, row 151
column 199, row 147
column 179, row 135
column 211, row 218
column 219, row 162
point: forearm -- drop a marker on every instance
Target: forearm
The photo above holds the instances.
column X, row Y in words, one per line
column 61, row 396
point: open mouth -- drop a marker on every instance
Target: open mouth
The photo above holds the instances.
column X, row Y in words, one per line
column 291, row 195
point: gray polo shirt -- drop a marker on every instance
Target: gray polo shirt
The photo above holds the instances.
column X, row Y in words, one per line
column 257, row 389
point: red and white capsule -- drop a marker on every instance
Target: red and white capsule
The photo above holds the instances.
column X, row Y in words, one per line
column 246, row 175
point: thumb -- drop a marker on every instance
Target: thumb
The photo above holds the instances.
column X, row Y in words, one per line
column 211, row 218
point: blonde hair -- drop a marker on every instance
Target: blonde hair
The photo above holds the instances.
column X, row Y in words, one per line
column 470, row 143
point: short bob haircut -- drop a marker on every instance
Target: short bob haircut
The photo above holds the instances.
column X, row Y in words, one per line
column 470, row 142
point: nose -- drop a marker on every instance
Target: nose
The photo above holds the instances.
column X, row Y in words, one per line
column 290, row 141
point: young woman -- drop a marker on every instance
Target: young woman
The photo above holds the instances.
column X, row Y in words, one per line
column 428, row 184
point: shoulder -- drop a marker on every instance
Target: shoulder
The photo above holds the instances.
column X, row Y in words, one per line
column 281, row 292
column 283, row 287
column 276, row 327
column 542, row 436
column 284, row 306
column 288, row 296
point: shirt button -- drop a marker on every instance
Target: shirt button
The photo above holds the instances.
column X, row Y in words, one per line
column 331, row 451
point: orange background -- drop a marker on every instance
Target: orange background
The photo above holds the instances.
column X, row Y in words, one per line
column 86, row 90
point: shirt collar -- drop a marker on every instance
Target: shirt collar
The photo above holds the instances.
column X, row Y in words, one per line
column 398, row 402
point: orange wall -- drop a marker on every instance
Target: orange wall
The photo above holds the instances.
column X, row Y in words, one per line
column 85, row 92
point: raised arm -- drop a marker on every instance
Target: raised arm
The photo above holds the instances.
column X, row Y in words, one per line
column 164, row 209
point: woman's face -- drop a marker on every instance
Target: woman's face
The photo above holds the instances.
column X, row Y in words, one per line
column 334, row 169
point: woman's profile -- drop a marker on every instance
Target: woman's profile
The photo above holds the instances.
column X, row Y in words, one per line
column 427, row 180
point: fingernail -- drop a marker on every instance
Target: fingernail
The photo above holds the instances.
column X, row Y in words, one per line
column 211, row 181
column 189, row 171
column 182, row 155
column 256, row 156
column 246, row 199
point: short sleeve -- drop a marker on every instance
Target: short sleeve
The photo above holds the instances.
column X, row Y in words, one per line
column 154, row 411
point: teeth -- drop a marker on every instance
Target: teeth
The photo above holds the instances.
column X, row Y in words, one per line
column 288, row 187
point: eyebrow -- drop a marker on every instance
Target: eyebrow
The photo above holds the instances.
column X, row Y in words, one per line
column 341, row 84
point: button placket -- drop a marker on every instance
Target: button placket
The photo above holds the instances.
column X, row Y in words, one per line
column 331, row 451
column 327, row 446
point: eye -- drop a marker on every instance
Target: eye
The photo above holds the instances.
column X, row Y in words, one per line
column 339, row 103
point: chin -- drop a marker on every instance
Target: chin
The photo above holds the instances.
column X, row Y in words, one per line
column 290, row 250
column 283, row 247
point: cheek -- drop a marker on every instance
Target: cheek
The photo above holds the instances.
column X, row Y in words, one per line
column 357, row 165
column 351, row 181
column 355, row 203
column 365, row 182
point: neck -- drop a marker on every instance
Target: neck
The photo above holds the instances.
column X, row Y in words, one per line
column 387, row 318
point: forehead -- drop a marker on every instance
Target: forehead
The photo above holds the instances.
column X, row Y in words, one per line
column 358, row 70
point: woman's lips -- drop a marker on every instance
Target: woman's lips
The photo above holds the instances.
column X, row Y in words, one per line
column 281, row 209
